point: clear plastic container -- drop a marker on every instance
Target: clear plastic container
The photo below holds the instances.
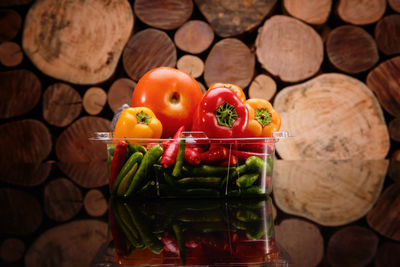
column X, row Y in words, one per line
column 172, row 232
column 235, row 167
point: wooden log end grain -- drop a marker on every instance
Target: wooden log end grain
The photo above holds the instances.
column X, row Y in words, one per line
column 360, row 12
column 202, row 87
column 278, row 51
column 352, row 246
column 191, row 64
column 302, row 241
column 315, row 12
column 388, row 254
column 164, row 14
column 395, row 5
column 385, row 216
column 351, row 49
column 71, row 244
column 12, row 249
column 20, row 92
column 77, row 41
column 384, row 81
column 86, row 174
column 229, row 61
column 394, row 129
column 333, row 116
column 263, row 86
column 231, row 18
column 25, row 174
column 62, row 199
column 394, row 166
column 194, row 37
column 328, row 192
column 386, row 34
column 73, row 144
column 10, row 54
column 94, row 100
column 147, row 50
column 95, row 203
column 26, row 141
column 62, row 104
column 22, row 210
column 14, row 2
column 120, row 93
column 10, row 24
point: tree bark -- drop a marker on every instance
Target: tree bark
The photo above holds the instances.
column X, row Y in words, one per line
column 230, row 18
column 387, row 34
column 278, row 51
column 360, row 12
column 24, row 141
column 351, row 49
column 352, row 246
column 146, row 50
column 120, row 93
column 95, row 203
column 263, row 86
column 62, row 200
column 192, row 65
column 62, row 104
column 332, row 116
column 72, row 244
column 20, row 92
column 21, row 212
column 94, row 100
column 77, row 41
column 385, row 216
column 229, row 61
column 328, row 192
column 10, row 24
column 384, row 81
column 315, row 12
column 302, row 241
column 164, row 14
column 194, row 37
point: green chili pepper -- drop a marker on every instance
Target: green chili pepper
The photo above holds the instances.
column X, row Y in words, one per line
column 199, row 181
column 126, row 181
column 141, row 174
column 111, row 150
column 135, row 148
column 254, row 163
column 209, row 170
column 245, row 215
column 134, row 158
column 247, row 180
column 179, row 159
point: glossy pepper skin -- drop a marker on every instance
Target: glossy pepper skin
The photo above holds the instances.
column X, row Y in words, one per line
column 221, row 114
column 263, row 118
column 138, row 122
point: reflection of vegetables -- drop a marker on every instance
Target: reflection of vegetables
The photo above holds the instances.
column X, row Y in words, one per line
column 139, row 122
column 141, row 174
column 171, row 150
column 181, row 242
column 118, row 161
column 132, row 160
column 263, row 118
column 117, row 234
column 221, row 114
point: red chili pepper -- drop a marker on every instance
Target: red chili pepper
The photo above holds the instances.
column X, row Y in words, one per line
column 192, row 156
column 243, row 155
column 230, row 161
column 171, row 151
column 215, row 153
column 258, row 147
column 118, row 160
column 221, row 114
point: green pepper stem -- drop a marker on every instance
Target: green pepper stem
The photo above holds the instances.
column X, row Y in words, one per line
column 226, row 115
column 142, row 117
column 263, row 116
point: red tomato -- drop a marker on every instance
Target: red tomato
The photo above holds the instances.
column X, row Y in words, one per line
column 172, row 95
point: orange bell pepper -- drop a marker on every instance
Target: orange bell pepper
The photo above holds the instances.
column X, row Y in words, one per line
column 238, row 91
column 138, row 122
column 263, row 118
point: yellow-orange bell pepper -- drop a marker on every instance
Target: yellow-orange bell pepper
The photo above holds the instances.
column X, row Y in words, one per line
column 138, row 122
column 263, row 118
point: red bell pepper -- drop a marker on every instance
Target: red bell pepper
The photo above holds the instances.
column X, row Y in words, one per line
column 221, row 114
column 172, row 147
column 118, row 160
